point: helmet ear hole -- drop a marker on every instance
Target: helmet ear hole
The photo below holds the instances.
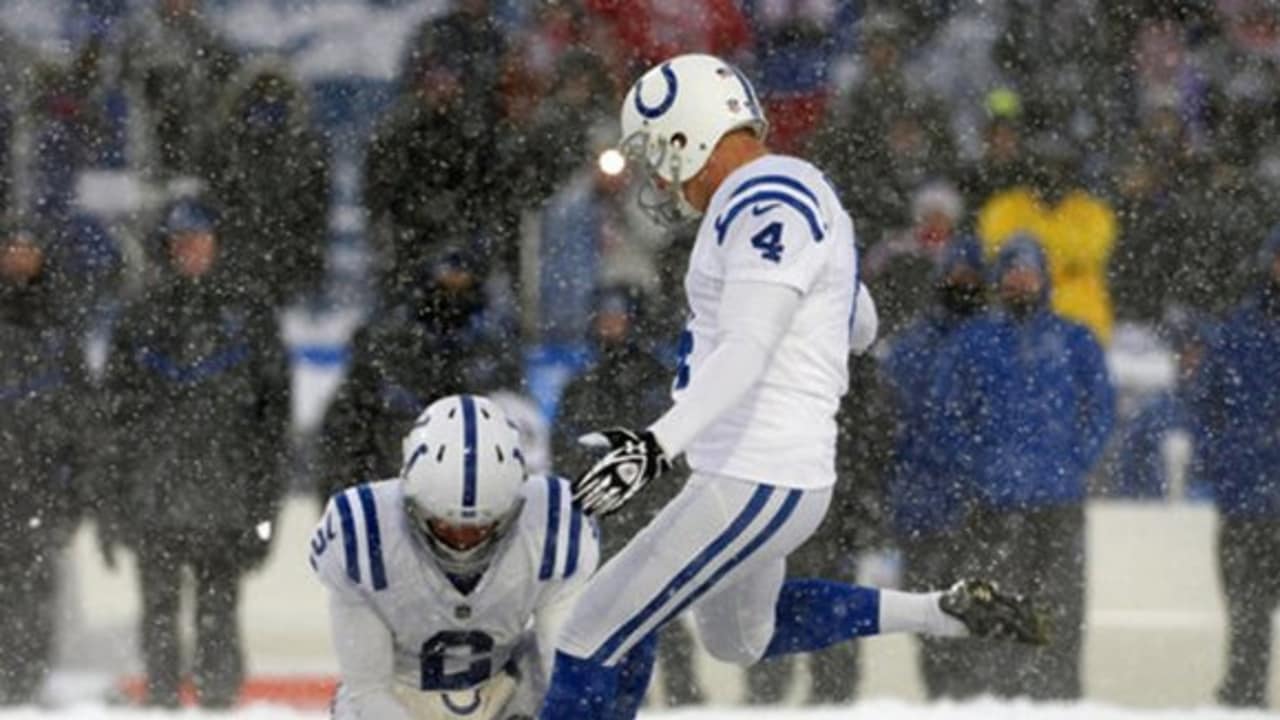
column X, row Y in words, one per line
column 678, row 141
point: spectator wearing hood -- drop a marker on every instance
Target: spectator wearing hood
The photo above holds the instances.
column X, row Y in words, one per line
column 623, row 385
column 43, row 394
column 1237, row 402
column 447, row 338
column 433, row 176
column 927, row 502
column 270, row 178
column 1076, row 228
column 198, row 408
column 1025, row 407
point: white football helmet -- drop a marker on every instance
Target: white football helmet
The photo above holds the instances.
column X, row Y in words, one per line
column 462, row 475
column 673, row 117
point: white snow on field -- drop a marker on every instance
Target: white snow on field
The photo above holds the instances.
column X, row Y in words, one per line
column 872, row 710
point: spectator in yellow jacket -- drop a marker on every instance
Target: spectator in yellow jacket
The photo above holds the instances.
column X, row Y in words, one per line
column 1076, row 228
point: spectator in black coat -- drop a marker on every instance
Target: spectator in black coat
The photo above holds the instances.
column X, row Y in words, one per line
column 43, row 408
column 432, row 175
column 197, row 401
column 270, row 177
column 445, row 339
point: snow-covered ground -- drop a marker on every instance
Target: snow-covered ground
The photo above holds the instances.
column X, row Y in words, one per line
column 873, row 710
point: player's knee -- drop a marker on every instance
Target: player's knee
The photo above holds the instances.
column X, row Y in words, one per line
column 740, row 646
column 735, row 653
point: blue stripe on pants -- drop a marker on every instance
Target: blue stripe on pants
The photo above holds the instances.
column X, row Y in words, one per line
column 622, row 635
column 779, row 519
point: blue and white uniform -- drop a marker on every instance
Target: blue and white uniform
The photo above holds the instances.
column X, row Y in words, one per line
column 772, row 284
column 775, row 221
column 410, row 642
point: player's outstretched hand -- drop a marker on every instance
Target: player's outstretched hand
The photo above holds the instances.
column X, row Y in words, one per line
column 632, row 460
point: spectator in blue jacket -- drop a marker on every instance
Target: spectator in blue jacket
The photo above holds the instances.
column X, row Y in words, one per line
column 926, row 504
column 1240, row 408
column 1026, row 406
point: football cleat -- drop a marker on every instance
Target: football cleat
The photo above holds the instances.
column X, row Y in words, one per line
column 989, row 613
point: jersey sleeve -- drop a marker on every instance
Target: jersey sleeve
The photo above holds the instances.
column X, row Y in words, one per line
column 570, row 554
column 772, row 229
column 346, row 547
column 366, row 662
column 567, row 541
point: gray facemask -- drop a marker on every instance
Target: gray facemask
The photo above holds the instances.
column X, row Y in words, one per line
column 667, row 207
column 471, row 561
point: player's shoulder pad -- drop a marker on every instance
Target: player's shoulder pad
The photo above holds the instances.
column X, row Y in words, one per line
column 777, row 181
column 350, row 539
column 563, row 536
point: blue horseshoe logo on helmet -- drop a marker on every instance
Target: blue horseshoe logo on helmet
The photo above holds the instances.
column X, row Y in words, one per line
column 668, row 100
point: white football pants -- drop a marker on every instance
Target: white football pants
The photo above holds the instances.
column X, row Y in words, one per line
column 719, row 548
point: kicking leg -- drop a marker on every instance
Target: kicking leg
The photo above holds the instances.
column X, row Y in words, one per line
column 816, row 614
column 713, row 532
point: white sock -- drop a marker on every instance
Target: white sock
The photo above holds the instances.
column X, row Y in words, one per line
column 917, row 613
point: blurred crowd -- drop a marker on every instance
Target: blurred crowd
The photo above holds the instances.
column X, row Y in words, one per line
column 1027, row 180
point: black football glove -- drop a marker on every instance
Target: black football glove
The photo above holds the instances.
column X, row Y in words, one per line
column 632, row 461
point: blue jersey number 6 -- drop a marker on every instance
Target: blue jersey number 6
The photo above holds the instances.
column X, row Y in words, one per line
column 436, row 651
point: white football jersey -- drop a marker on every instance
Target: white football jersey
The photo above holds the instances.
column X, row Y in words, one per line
column 446, row 640
column 776, row 220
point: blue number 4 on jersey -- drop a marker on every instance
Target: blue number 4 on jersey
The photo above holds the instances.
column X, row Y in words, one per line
column 769, row 240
